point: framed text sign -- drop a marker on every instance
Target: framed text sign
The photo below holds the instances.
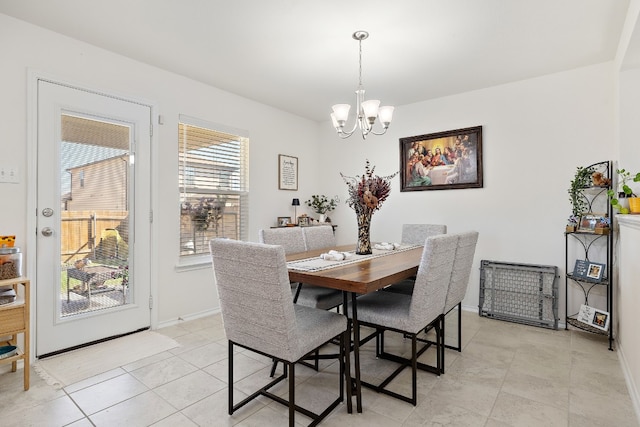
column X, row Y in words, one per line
column 593, row 317
column 587, row 270
column 287, row 172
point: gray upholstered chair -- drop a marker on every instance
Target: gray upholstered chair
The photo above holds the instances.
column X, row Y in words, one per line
column 301, row 239
column 259, row 315
column 290, row 238
column 460, row 279
column 319, row 237
column 294, row 240
column 411, row 314
column 415, row 234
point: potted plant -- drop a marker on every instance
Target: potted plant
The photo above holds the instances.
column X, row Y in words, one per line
column 625, row 192
column 206, row 213
column 580, row 181
column 321, row 204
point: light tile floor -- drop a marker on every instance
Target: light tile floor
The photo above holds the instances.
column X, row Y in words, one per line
column 507, row 375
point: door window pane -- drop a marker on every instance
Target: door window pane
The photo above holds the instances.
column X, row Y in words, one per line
column 94, row 229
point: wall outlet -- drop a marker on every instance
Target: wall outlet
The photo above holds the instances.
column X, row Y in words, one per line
column 9, row 174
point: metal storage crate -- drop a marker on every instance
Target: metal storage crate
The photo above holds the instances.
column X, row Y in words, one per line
column 522, row 293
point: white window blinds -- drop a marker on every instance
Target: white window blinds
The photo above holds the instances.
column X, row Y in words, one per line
column 213, row 179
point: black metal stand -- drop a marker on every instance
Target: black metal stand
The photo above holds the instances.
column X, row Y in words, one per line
column 589, row 241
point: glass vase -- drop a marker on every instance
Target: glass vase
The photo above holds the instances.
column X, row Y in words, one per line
column 363, row 246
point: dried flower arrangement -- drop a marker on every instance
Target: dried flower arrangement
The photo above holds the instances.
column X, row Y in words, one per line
column 366, row 195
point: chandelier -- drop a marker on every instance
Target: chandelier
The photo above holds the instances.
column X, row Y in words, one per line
column 367, row 110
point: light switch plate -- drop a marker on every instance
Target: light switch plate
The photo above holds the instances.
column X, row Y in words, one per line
column 9, row 174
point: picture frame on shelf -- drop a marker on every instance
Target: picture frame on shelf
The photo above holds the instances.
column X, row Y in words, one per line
column 594, row 317
column 442, row 161
column 588, row 223
column 590, row 271
column 595, row 271
column 284, row 221
column 303, row 221
column 287, row 172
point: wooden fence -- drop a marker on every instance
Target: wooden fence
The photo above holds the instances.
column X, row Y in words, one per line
column 81, row 231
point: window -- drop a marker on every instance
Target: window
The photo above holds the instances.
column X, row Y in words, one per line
column 213, row 181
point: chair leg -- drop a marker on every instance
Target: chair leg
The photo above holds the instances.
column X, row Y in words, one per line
column 414, row 369
column 273, row 368
column 459, row 327
column 380, row 342
column 230, row 384
column 292, row 395
column 458, row 348
column 346, row 363
column 440, row 341
column 440, row 344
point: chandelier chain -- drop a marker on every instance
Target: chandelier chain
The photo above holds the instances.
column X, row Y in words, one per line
column 360, row 62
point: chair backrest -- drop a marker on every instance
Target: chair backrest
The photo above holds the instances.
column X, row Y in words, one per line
column 416, row 234
column 432, row 280
column 461, row 269
column 290, row 238
column 255, row 296
column 319, row 237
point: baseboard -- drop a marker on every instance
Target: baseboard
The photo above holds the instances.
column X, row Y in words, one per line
column 632, row 387
column 187, row 317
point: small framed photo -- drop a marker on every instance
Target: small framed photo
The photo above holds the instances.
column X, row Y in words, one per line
column 595, row 271
column 594, row 317
column 303, row 221
column 284, row 221
column 588, row 223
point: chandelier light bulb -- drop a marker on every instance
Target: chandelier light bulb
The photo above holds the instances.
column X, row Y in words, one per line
column 385, row 114
column 367, row 111
column 341, row 112
column 370, row 109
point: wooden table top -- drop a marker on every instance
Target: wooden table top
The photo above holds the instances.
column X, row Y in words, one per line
column 361, row 277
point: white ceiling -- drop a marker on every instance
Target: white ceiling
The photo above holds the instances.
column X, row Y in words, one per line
column 298, row 55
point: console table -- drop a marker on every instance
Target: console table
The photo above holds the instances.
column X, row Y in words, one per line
column 314, row 225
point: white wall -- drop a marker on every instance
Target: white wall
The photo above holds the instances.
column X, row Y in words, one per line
column 627, row 296
column 629, row 123
column 271, row 131
column 627, row 299
column 535, row 133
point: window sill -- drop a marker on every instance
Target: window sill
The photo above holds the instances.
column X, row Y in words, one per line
column 196, row 262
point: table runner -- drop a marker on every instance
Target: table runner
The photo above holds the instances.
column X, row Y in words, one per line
column 318, row 264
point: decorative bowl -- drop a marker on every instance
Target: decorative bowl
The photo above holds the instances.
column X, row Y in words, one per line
column 8, row 351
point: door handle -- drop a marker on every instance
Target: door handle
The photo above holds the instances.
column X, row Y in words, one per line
column 47, row 231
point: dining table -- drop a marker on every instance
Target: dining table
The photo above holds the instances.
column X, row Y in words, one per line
column 357, row 277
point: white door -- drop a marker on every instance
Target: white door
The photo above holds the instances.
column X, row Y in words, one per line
column 93, row 217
